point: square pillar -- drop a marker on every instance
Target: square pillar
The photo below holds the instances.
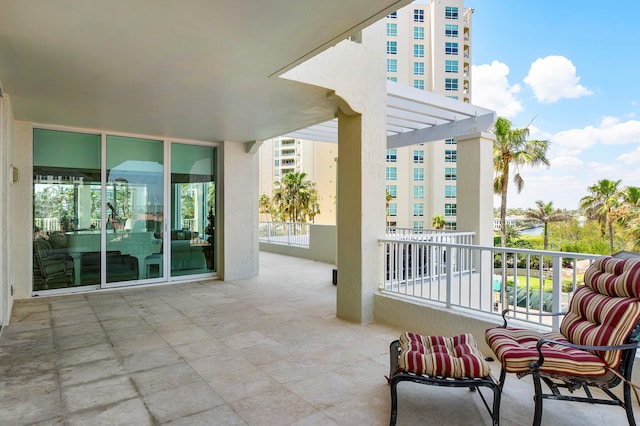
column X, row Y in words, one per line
column 238, row 210
column 475, row 186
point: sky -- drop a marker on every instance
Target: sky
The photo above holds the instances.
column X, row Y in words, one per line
column 572, row 70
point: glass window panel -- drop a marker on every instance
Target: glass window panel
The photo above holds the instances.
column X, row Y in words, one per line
column 66, row 203
column 193, row 196
column 134, row 206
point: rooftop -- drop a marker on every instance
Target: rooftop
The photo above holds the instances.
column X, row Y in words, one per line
column 267, row 350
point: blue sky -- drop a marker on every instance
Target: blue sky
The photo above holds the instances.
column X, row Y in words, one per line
column 573, row 67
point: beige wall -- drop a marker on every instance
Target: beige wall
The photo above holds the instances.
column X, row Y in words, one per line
column 6, row 191
column 322, row 245
column 22, row 216
column 238, row 210
column 432, row 320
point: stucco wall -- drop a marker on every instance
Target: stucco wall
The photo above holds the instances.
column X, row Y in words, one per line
column 238, row 208
column 6, row 138
column 322, row 245
column 432, row 320
column 22, row 214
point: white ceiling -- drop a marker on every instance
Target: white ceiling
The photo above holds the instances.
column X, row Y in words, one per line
column 197, row 69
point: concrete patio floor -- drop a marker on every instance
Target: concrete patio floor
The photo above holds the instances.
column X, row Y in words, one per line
column 263, row 351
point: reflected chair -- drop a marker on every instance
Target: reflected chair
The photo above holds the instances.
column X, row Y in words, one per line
column 595, row 347
column 53, row 268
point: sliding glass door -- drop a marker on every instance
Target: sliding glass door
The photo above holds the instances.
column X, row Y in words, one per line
column 193, row 224
column 134, row 208
column 100, row 212
column 67, row 209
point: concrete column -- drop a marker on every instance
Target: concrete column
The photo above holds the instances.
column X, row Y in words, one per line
column 238, row 211
column 355, row 75
column 21, row 256
column 475, row 186
column 5, row 242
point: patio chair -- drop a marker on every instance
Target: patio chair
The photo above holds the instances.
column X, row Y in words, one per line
column 53, row 268
column 595, row 347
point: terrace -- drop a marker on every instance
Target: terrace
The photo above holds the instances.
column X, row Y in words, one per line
column 265, row 350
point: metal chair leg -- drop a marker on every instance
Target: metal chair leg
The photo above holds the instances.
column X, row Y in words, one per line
column 537, row 416
column 503, row 377
column 497, row 394
column 628, row 404
column 394, row 402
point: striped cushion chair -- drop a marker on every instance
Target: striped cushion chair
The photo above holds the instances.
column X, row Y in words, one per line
column 596, row 344
column 441, row 361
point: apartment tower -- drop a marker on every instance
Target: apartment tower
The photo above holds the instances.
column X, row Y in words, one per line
column 428, row 48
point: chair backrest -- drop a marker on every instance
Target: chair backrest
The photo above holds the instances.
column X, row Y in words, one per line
column 42, row 248
column 605, row 310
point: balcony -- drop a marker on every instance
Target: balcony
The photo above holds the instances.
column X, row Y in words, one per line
column 262, row 351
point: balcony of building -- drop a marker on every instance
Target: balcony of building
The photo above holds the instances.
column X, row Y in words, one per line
column 262, row 351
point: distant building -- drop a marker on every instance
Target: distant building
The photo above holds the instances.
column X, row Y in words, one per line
column 428, row 46
column 280, row 156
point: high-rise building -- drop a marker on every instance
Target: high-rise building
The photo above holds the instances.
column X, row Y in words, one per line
column 428, row 48
column 282, row 155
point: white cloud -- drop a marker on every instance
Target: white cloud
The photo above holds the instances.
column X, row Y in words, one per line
column 566, row 161
column 553, row 78
column 632, row 157
column 491, row 89
column 610, row 131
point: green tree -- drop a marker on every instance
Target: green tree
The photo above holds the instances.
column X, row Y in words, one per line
column 511, row 148
column 628, row 210
column 545, row 213
column 388, row 198
column 438, row 221
column 512, row 234
column 294, row 196
column 628, row 216
column 266, row 206
column 605, row 196
column 187, row 202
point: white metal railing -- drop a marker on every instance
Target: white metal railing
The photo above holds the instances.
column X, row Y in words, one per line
column 286, row 233
column 428, row 234
column 484, row 279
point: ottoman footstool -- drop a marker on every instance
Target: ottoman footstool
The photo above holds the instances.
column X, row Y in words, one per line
column 440, row 361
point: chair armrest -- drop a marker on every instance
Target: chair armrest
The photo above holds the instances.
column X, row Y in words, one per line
column 542, row 314
column 537, row 364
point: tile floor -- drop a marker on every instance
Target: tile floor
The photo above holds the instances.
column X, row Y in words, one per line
column 263, row 351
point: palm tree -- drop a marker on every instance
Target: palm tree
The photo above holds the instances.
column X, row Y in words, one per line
column 628, row 211
column 545, row 213
column 601, row 205
column 388, row 198
column 266, row 206
column 293, row 195
column 511, row 147
column 629, row 215
column 438, row 221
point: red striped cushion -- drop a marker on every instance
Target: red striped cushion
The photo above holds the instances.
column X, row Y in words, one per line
column 598, row 320
column 516, row 349
column 438, row 356
column 614, row 277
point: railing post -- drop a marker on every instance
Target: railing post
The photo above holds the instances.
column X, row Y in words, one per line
column 557, row 291
column 449, row 280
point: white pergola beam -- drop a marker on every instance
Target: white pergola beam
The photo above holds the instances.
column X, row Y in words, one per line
column 448, row 130
column 415, row 116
